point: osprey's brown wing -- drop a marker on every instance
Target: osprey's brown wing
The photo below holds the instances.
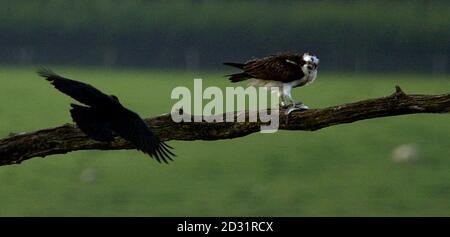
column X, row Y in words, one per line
column 285, row 68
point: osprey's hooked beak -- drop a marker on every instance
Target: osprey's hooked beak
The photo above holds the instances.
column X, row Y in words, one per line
column 312, row 66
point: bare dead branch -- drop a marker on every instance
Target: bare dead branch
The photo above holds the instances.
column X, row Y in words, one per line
column 68, row 138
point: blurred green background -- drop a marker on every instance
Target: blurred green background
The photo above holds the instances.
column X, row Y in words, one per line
column 141, row 50
column 355, row 36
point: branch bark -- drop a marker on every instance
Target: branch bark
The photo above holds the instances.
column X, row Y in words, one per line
column 68, row 138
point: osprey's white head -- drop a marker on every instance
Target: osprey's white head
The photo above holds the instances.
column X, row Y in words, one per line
column 311, row 63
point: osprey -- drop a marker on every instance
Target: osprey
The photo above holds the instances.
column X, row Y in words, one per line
column 284, row 71
column 105, row 117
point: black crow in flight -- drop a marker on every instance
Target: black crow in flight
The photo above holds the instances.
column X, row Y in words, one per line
column 104, row 117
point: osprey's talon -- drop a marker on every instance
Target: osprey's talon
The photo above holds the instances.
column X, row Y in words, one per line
column 284, row 105
column 301, row 107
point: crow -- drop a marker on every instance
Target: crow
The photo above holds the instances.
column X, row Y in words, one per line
column 102, row 117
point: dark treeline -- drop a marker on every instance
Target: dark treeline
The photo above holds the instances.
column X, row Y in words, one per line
column 346, row 35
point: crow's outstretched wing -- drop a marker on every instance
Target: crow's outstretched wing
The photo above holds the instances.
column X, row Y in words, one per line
column 136, row 131
column 82, row 92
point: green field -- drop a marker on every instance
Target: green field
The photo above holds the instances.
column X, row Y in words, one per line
column 344, row 170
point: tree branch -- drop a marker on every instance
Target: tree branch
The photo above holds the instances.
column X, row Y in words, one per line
column 67, row 138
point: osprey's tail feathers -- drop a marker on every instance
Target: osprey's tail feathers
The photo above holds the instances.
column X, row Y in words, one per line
column 238, row 65
column 90, row 122
column 239, row 77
